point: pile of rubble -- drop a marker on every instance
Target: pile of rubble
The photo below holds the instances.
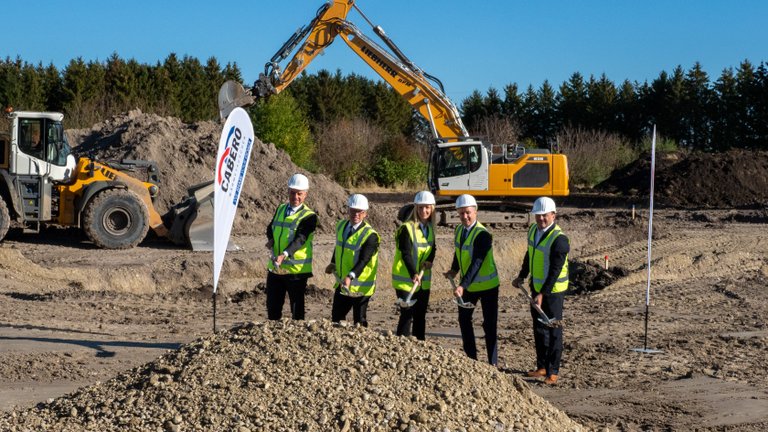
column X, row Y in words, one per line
column 301, row 376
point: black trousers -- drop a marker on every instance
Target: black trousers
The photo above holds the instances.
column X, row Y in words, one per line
column 342, row 305
column 549, row 341
column 489, row 299
column 295, row 285
column 415, row 316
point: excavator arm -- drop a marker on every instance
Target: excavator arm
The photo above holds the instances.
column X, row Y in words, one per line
column 395, row 68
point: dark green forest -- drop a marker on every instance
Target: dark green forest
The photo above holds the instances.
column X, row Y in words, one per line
column 323, row 112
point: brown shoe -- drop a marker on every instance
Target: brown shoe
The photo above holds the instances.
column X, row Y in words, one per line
column 538, row 373
column 551, row 380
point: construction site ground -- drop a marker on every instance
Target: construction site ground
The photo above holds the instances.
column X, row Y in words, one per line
column 72, row 315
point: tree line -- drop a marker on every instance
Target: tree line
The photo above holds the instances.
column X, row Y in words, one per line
column 686, row 107
column 357, row 129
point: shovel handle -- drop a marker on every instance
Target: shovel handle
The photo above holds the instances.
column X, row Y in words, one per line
column 413, row 289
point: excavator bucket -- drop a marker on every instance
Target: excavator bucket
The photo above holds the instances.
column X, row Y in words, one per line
column 190, row 223
column 232, row 95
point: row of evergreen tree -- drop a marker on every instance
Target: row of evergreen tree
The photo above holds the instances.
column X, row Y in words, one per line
column 88, row 92
column 686, row 106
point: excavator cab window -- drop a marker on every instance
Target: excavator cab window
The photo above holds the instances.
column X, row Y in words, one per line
column 458, row 160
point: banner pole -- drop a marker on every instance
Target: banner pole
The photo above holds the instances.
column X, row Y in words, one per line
column 214, row 312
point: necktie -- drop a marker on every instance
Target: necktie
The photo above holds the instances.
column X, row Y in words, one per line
column 464, row 233
column 425, row 231
column 288, row 211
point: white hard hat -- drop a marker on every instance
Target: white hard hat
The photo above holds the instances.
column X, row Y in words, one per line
column 358, row 202
column 424, row 198
column 298, row 182
column 544, row 205
column 465, row 201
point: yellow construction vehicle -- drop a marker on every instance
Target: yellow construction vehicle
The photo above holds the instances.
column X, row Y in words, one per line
column 42, row 183
column 458, row 163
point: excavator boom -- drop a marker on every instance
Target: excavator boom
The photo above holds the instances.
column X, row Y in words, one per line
column 458, row 163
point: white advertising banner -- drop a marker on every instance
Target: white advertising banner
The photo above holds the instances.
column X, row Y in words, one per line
column 232, row 159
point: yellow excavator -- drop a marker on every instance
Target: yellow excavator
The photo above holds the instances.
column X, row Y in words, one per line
column 458, row 163
column 41, row 182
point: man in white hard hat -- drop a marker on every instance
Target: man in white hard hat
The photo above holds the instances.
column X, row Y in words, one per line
column 473, row 261
column 547, row 263
column 354, row 263
column 289, row 237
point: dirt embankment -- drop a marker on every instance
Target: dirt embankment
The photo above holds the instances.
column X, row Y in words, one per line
column 185, row 153
column 734, row 179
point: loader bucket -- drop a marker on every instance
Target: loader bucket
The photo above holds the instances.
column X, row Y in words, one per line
column 190, row 223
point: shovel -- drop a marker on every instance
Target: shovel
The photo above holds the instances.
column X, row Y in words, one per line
column 458, row 300
column 345, row 289
column 543, row 318
column 407, row 302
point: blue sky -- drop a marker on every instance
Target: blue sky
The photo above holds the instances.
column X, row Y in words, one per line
column 469, row 45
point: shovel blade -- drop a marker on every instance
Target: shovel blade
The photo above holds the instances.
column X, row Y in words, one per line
column 462, row 304
column 405, row 304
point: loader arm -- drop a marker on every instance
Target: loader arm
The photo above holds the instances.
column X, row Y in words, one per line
column 406, row 78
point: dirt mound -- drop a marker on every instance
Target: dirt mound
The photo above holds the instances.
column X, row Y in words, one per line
column 736, row 178
column 185, row 155
column 591, row 276
column 308, row 376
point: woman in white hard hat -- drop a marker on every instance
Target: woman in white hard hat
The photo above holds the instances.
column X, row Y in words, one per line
column 354, row 263
column 289, row 237
column 414, row 253
column 473, row 261
column 547, row 264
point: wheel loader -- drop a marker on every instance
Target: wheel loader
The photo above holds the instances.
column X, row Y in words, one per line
column 112, row 202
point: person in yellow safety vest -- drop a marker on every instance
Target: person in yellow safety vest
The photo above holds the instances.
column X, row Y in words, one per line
column 289, row 238
column 354, row 262
column 414, row 252
column 547, row 264
column 473, row 260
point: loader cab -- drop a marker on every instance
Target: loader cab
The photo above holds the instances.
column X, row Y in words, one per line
column 39, row 147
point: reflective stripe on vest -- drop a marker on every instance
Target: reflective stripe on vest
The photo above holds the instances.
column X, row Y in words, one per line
column 421, row 249
column 283, row 232
column 538, row 260
column 346, row 255
column 485, row 279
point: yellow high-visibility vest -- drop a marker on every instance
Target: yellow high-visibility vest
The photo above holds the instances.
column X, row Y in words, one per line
column 283, row 231
column 346, row 253
column 487, row 278
column 538, row 260
column 421, row 249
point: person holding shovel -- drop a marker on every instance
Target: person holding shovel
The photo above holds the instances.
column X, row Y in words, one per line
column 354, row 263
column 289, row 238
column 547, row 263
column 473, row 260
column 411, row 267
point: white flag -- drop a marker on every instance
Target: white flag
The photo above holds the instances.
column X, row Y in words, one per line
column 232, row 159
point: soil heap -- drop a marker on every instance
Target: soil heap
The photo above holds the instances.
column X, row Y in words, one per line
column 185, row 155
column 308, row 376
column 733, row 179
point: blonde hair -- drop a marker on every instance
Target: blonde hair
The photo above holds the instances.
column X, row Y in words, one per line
column 415, row 214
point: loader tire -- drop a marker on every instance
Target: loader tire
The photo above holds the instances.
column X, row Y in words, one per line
column 116, row 219
column 5, row 219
